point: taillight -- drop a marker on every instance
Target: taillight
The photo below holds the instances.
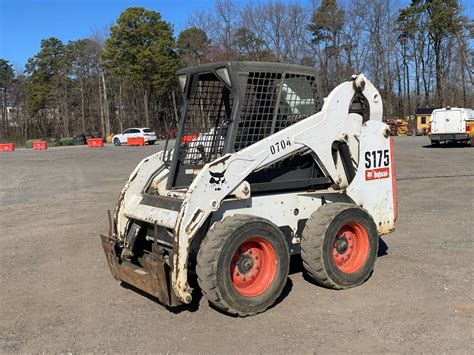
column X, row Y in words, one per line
column 468, row 128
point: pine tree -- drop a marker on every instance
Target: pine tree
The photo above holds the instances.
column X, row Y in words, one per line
column 141, row 48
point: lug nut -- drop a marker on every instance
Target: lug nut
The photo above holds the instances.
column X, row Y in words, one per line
column 337, row 255
column 250, row 251
column 257, row 267
column 237, row 273
column 256, row 257
column 243, row 278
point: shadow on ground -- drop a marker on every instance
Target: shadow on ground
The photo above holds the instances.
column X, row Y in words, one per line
column 296, row 266
column 191, row 307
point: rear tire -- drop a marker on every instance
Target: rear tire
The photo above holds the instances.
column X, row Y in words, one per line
column 243, row 264
column 117, row 142
column 339, row 245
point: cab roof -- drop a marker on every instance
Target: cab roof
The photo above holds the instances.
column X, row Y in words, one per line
column 245, row 66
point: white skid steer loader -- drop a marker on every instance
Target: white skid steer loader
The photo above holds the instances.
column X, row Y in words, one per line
column 262, row 168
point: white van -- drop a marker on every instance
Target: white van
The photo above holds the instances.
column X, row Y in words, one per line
column 452, row 124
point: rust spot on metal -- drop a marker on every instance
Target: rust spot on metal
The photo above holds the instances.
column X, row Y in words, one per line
column 118, row 207
column 385, row 229
column 176, row 246
column 192, row 224
column 109, row 217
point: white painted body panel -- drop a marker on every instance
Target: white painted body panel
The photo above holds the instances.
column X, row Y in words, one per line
column 375, row 193
column 129, row 205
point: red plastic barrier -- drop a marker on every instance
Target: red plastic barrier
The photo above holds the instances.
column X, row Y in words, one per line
column 95, row 142
column 7, row 147
column 40, row 145
column 188, row 138
column 136, row 141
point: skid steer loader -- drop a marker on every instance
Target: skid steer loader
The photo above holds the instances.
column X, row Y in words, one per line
column 271, row 170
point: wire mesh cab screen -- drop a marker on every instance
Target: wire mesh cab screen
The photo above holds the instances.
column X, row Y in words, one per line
column 274, row 101
column 207, row 117
column 224, row 114
column 207, row 110
column 272, row 104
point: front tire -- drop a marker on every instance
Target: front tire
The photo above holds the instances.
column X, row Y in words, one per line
column 116, row 142
column 243, row 264
column 339, row 245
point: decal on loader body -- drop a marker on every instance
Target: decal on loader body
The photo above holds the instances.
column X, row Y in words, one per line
column 280, row 145
column 377, row 163
column 374, row 174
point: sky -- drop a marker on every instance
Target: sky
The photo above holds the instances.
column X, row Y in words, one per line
column 24, row 23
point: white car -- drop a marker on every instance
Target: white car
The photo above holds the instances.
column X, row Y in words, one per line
column 147, row 133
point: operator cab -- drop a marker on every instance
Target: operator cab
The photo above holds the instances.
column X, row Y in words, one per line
column 228, row 106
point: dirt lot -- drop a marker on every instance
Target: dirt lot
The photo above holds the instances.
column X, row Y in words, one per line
column 57, row 294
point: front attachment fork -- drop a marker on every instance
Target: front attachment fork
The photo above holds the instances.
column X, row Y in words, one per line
column 153, row 277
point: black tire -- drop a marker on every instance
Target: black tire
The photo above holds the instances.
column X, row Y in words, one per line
column 117, row 142
column 319, row 249
column 151, row 142
column 218, row 253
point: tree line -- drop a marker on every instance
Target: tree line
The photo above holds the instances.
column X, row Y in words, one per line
column 420, row 55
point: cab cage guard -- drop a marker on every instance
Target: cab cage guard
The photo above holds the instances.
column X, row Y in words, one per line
column 228, row 106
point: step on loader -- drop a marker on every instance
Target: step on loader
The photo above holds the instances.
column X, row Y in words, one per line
column 262, row 168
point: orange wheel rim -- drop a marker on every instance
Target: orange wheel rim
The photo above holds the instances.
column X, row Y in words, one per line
column 351, row 247
column 253, row 267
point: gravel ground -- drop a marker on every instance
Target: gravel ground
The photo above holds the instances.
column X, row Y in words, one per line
column 57, row 294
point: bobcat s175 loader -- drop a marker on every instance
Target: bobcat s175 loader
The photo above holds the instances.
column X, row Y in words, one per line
column 271, row 170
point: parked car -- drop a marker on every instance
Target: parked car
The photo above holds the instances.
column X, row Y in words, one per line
column 147, row 133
